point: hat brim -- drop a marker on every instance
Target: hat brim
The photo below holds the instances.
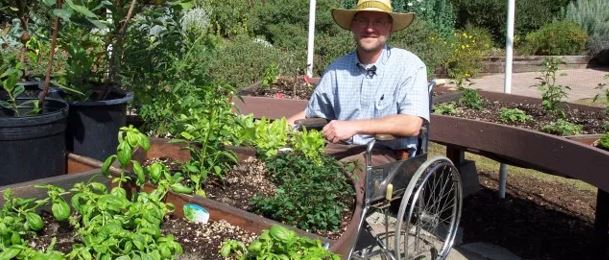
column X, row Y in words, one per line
column 343, row 18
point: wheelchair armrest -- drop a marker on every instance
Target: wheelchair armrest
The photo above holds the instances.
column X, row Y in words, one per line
column 384, row 137
column 311, row 123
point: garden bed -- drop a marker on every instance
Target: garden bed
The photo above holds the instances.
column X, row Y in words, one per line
column 593, row 119
column 248, row 179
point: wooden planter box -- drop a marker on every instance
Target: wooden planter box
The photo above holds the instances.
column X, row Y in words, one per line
column 254, row 223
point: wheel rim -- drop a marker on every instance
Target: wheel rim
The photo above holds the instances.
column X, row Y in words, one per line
column 428, row 220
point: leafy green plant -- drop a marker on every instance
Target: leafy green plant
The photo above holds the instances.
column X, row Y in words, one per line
column 271, row 136
column 562, row 127
column 513, row 115
column 310, row 196
column 605, row 93
column 113, row 227
column 18, row 218
column 556, row 38
column 9, row 76
column 278, row 243
column 552, row 94
column 271, row 74
column 471, row 98
column 603, row 142
column 449, row 108
column 129, row 140
column 206, row 133
column 309, row 143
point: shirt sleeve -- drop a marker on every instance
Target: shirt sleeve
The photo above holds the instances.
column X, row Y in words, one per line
column 413, row 97
column 321, row 102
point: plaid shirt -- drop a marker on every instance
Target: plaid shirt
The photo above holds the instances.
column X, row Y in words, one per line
column 397, row 84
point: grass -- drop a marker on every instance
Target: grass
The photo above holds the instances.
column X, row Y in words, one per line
column 489, row 165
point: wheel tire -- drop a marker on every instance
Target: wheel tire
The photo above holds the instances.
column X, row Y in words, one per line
column 429, row 213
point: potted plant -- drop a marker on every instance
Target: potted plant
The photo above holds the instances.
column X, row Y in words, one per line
column 30, row 129
column 91, row 34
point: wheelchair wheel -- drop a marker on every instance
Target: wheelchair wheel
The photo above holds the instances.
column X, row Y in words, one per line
column 429, row 213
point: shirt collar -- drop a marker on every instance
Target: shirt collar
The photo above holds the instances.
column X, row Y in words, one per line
column 385, row 53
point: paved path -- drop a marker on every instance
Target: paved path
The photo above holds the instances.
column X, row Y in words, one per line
column 582, row 82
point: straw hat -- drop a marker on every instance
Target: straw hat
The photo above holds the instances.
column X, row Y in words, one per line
column 343, row 17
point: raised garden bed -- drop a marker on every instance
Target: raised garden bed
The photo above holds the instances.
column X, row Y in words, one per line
column 234, row 197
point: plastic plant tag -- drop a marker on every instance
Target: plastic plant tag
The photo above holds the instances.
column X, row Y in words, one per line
column 195, row 213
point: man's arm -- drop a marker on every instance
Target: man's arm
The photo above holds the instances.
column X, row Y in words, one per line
column 397, row 125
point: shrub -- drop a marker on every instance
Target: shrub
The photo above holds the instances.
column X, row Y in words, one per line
column 468, row 49
column 439, row 14
column 592, row 15
column 230, row 18
column 285, row 25
column 243, row 61
column 423, row 41
column 491, row 14
column 557, row 38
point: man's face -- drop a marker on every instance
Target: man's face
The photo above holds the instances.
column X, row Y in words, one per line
column 371, row 30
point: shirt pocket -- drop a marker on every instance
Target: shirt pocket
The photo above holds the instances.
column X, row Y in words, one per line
column 384, row 105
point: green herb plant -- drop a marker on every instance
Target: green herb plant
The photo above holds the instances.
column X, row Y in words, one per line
column 603, row 142
column 270, row 76
column 513, row 115
column 207, row 133
column 278, row 242
column 310, row 196
column 562, row 127
column 130, row 139
column 18, row 218
column 111, row 226
column 471, row 99
column 552, row 94
column 309, row 143
column 271, row 136
column 605, row 94
column 10, row 76
column 449, row 108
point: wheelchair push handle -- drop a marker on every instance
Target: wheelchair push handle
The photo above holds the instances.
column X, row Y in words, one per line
column 311, row 123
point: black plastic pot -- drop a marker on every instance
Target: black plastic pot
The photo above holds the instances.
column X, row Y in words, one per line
column 93, row 125
column 33, row 147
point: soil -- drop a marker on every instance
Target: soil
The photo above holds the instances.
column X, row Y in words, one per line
column 593, row 123
column 285, row 87
column 199, row 241
column 538, row 219
column 246, row 180
column 250, row 178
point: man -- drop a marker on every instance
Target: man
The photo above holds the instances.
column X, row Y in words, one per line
column 376, row 89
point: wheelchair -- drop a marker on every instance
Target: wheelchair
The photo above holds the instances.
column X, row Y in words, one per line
column 417, row 200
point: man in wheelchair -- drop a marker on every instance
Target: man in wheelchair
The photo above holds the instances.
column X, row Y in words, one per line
column 376, row 89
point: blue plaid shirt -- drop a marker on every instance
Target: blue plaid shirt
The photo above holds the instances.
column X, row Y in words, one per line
column 397, row 85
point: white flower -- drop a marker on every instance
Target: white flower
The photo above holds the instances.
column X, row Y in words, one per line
column 409, row 3
column 195, row 20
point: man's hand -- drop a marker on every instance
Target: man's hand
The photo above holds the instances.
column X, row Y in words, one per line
column 337, row 130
